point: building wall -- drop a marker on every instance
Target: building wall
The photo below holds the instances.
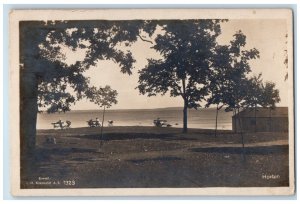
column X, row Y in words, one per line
column 263, row 124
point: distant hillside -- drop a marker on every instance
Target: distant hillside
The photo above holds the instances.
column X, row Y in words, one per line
column 146, row 109
column 166, row 108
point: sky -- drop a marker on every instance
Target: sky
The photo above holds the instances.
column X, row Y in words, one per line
column 268, row 36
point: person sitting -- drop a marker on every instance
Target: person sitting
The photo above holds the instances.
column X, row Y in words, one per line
column 157, row 122
column 97, row 122
column 60, row 123
column 110, row 122
column 90, row 123
column 68, row 124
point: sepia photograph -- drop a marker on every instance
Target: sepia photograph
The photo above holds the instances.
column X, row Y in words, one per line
column 152, row 102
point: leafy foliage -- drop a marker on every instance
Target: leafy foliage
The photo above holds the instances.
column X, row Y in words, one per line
column 260, row 93
column 103, row 97
column 42, row 45
column 270, row 95
column 233, row 79
column 254, row 95
column 219, row 78
column 186, row 47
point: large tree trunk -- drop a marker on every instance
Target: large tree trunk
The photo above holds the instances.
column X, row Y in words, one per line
column 185, row 107
column 28, row 117
column 28, row 113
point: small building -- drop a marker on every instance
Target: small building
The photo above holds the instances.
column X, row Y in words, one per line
column 264, row 120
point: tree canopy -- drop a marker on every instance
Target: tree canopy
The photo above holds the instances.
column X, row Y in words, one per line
column 103, row 97
column 196, row 67
column 41, row 46
column 48, row 81
column 270, row 95
column 187, row 48
column 236, row 75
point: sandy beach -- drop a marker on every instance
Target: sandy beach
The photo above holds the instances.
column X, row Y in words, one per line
column 156, row 157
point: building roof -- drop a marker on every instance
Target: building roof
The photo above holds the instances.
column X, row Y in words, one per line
column 264, row 112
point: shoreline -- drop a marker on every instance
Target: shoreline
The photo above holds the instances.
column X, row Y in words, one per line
column 139, row 117
column 132, row 129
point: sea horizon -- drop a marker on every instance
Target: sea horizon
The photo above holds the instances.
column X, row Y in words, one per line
column 125, row 109
column 117, row 109
column 202, row 118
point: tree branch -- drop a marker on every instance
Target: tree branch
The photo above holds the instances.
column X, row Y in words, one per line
column 220, row 107
column 144, row 39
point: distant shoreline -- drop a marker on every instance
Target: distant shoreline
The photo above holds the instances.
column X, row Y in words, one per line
column 124, row 109
column 141, row 109
column 132, row 129
column 133, row 109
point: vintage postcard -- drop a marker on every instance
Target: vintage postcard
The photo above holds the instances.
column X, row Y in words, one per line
column 151, row 102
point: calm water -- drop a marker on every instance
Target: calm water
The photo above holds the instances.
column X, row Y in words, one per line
column 204, row 118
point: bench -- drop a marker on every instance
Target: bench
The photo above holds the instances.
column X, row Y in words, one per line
column 161, row 123
column 60, row 124
column 93, row 123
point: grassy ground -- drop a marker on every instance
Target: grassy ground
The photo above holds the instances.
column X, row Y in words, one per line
column 156, row 157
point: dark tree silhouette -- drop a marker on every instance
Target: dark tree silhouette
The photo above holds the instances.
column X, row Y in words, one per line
column 236, row 75
column 219, row 79
column 254, row 96
column 236, row 89
column 103, row 97
column 187, row 48
column 229, row 69
column 270, row 96
column 46, row 79
column 260, row 94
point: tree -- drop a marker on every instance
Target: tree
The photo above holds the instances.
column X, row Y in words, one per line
column 186, row 47
column 103, row 97
column 48, row 81
column 260, row 94
column 236, row 75
column 254, row 96
column 219, row 79
column 237, row 82
column 270, row 96
column 230, row 66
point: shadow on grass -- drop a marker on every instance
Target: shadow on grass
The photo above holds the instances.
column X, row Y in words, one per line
column 130, row 136
column 99, row 158
column 46, row 153
column 259, row 150
column 159, row 159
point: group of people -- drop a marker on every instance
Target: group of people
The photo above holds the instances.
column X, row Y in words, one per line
column 61, row 124
column 91, row 123
column 96, row 123
column 161, row 123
